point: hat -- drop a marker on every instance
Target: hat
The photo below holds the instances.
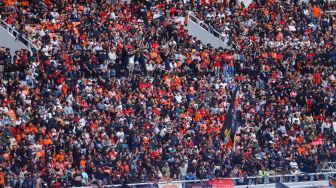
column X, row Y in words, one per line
column 194, row 161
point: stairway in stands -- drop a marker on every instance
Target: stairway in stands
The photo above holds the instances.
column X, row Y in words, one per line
column 205, row 33
column 10, row 38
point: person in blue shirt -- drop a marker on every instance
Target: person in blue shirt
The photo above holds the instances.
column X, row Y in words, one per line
column 190, row 176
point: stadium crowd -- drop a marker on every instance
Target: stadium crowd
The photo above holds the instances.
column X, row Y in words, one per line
column 121, row 93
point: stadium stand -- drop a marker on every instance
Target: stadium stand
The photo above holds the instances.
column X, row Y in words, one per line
column 121, row 93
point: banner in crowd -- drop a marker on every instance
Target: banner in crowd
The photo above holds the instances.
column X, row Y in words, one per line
column 229, row 121
column 197, row 185
column 221, row 183
column 170, row 185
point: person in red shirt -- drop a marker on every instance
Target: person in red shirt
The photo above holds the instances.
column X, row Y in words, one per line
column 317, row 78
column 217, row 63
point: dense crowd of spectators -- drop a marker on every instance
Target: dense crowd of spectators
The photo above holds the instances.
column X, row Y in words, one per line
column 120, row 93
column 5, row 57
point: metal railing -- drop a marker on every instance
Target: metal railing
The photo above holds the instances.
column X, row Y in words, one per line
column 207, row 27
column 245, row 181
column 30, row 46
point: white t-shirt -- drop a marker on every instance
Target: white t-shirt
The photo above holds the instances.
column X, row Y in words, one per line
column 131, row 60
column 120, row 135
column 178, row 98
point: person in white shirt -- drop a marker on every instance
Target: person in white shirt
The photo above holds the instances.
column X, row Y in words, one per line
column 326, row 127
column 120, row 134
column 178, row 98
column 150, row 67
column 4, row 108
column 131, row 64
column 112, row 56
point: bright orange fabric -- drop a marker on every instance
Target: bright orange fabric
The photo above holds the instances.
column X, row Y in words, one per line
column 316, row 11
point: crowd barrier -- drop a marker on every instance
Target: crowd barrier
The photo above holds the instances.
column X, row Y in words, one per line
column 309, row 178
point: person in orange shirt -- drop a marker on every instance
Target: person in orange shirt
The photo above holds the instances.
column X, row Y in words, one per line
column 205, row 56
column 10, row 2
column 124, row 167
column 25, row 3
column 316, row 14
column 2, row 179
column 301, row 150
column 198, row 117
column 60, row 156
column 47, row 141
column 40, row 154
column 82, row 162
column 316, row 11
column 271, row 1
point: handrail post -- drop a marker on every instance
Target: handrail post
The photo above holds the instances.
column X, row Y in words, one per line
column 281, row 179
column 250, row 181
column 326, row 177
column 266, row 180
column 311, row 177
